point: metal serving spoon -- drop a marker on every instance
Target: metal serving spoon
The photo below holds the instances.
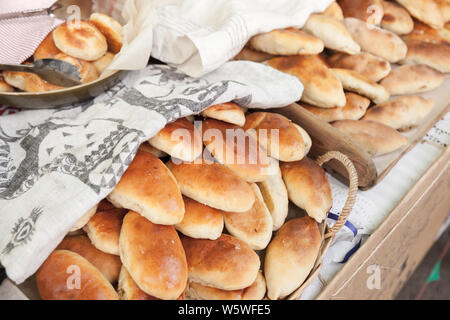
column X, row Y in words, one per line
column 54, row 71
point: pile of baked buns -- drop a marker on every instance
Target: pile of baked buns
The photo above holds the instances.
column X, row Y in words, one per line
column 363, row 64
column 201, row 217
column 89, row 45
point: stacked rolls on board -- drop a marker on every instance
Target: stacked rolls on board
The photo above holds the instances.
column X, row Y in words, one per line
column 199, row 227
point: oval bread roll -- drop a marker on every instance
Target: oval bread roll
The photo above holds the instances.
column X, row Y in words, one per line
column 366, row 64
column 104, row 230
column 287, row 42
column 322, row 88
column 180, row 139
column 423, row 33
column 103, row 63
column 84, row 219
column 292, row 143
column 66, row 275
column 154, row 257
column 108, row 264
column 87, row 70
column 332, row 32
column 334, row 11
column 290, row 256
column 200, row 221
column 34, row 83
column 129, row 290
column 396, row 19
column 4, row 86
column 226, row 112
column 237, row 150
column 355, row 109
column 426, row 11
column 353, row 81
column 256, row 291
column 214, row 185
column 150, row 189
column 308, row 187
column 110, row 28
column 411, row 79
column 16, row 79
column 274, row 193
column 370, row 11
column 373, row 137
column 81, row 40
column 226, row 263
column 382, row 43
column 249, row 54
column 402, row 113
column 436, row 56
column 46, row 49
column 255, row 226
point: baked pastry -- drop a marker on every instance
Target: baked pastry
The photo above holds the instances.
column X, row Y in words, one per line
column 16, row 79
column 84, row 219
column 214, row 185
column 402, row 113
column 290, row 256
column 322, row 88
column 424, row 33
column 370, row 11
column 4, row 86
column 434, row 55
column 334, row 11
column 200, row 221
column 355, row 109
column 226, row 112
column 106, row 263
column 150, row 189
column 46, row 49
column 226, row 263
column 80, row 40
column 373, row 137
column 426, row 11
column 444, row 8
column 308, row 187
column 396, row 19
column 249, row 54
column 110, row 28
column 154, row 257
column 104, row 62
column 66, row 275
column 88, row 72
column 255, row 226
column 285, row 42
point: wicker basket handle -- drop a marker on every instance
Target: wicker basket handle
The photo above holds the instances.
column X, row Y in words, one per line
column 353, row 188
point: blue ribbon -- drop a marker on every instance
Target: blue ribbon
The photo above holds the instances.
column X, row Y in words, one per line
column 354, row 230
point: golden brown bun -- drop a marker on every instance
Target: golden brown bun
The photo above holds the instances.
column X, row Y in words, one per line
column 16, row 79
column 287, row 42
column 436, row 56
column 370, row 11
column 396, row 19
column 83, row 41
column 426, row 11
column 255, row 226
column 444, row 8
column 373, row 137
column 290, row 256
column 104, row 230
column 380, row 42
column 180, row 139
column 34, row 83
column 4, row 86
column 237, row 150
column 108, row 264
column 150, row 189
column 424, row 33
column 84, row 219
column 308, row 187
column 366, row 64
column 103, row 63
column 411, row 79
column 402, row 113
column 291, row 144
column 200, row 221
column 46, row 49
column 154, row 257
column 87, row 70
column 214, row 185
column 332, row 32
column 249, row 54
column 129, row 290
column 227, row 112
column 57, row 279
column 146, row 147
column 355, row 108
column 322, row 88
column 274, row 193
column 226, row 263
column 334, row 11
column 111, row 29
column 256, row 291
